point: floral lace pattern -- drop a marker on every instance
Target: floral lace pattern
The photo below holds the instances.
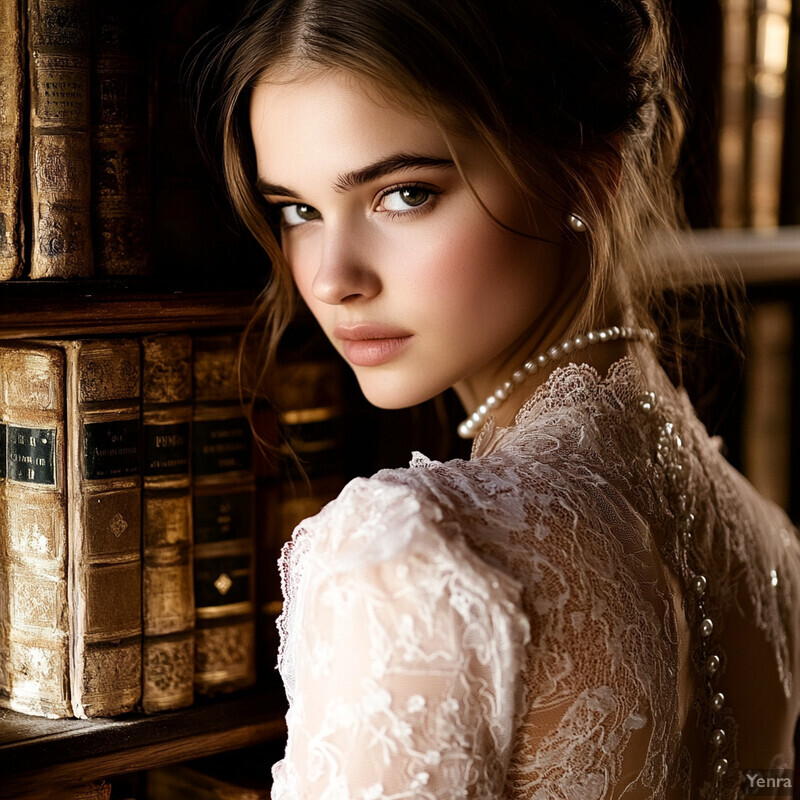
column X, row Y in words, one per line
column 512, row 626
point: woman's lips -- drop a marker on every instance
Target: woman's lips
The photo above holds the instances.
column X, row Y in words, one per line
column 368, row 345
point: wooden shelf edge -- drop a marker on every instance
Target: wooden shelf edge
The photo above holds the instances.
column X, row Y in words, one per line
column 760, row 256
column 149, row 757
column 79, row 751
column 89, row 314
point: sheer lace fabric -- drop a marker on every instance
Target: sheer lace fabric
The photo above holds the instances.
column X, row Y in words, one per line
column 514, row 626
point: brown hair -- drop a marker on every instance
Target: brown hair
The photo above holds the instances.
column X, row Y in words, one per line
column 581, row 95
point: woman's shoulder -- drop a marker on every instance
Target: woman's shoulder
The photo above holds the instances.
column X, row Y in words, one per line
column 393, row 512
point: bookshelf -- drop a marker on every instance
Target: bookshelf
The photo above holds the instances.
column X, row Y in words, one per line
column 39, row 754
column 90, row 308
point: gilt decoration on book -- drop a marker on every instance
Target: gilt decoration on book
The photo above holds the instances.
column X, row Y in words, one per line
column 167, row 587
column 224, row 518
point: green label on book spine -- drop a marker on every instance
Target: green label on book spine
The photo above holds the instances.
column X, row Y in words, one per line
column 221, row 517
column 111, row 449
column 222, row 581
column 166, row 449
column 221, row 445
column 30, row 455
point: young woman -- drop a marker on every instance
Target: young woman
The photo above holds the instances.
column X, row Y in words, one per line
column 595, row 604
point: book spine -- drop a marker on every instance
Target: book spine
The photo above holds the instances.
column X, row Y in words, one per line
column 223, row 514
column 766, row 423
column 770, row 58
column 167, row 577
column 5, row 683
column 104, row 485
column 35, row 525
column 310, row 417
column 60, row 155
column 120, row 147
column 11, row 121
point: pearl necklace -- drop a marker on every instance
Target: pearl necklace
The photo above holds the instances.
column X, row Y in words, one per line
column 471, row 426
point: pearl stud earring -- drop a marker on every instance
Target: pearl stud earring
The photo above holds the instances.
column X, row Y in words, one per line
column 576, row 223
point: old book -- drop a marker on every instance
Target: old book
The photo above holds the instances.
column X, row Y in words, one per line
column 223, row 499
column 72, row 524
column 308, row 395
column 60, row 156
column 768, row 74
column 120, row 139
column 34, row 523
column 104, row 480
column 734, row 114
column 167, row 582
column 12, row 109
column 4, row 614
column 766, row 422
column 752, row 105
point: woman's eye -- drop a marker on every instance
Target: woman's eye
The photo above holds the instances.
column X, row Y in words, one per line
column 405, row 198
column 298, row 213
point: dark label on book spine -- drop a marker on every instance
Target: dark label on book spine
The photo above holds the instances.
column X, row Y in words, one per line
column 221, row 445
column 111, row 449
column 222, row 581
column 166, row 449
column 221, row 517
column 2, row 450
column 30, row 455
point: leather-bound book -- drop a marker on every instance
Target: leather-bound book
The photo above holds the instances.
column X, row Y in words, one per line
column 73, row 526
column 33, row 521
column 120, row 139
column 12, row 109
column 60, row 155
column 308, row 395
column 223, row 516
column 104, row 480
column 167, row 582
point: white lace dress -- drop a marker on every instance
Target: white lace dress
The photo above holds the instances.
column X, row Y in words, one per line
column 521, row 625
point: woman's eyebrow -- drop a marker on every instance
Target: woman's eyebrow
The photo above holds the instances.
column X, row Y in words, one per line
column 379, row 168
column 385, row 166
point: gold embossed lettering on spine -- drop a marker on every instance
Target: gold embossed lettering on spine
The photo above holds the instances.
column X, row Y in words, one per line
column 223, row 518
column 120, row 151
column 34, row 524
column 60, row 157
column 11, row 111
column 167, row 583
column 104, row 479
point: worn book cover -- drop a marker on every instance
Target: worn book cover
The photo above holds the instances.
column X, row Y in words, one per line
column 12, row 110
column 104, row 491
column 308, row 395
column 167, row 583
column 120, row 138
column 33, row 522
column 223, row 510
column 60, row 155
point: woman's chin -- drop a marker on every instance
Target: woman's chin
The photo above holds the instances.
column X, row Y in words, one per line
column 391, row 396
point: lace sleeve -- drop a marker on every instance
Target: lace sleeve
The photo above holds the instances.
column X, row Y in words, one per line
column 404, row 657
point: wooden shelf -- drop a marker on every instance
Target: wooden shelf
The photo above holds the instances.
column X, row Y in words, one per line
column 87, row 308
column 761, row 256
column 36, row 753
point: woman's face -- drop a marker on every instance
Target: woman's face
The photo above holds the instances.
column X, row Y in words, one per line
column 410, row 279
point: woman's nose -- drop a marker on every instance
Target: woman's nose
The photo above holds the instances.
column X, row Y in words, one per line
column 344, row 272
